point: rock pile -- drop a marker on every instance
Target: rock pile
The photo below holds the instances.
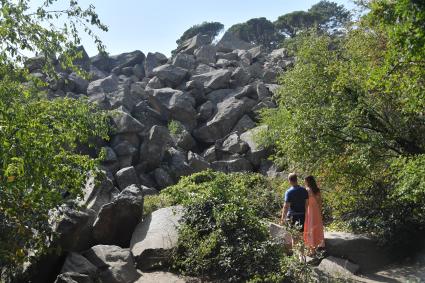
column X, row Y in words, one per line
column 211, row 94
column 170, row 117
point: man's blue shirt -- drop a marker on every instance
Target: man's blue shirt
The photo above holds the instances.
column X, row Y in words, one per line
column 296, row 196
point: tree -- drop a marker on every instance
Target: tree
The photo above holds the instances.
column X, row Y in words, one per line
column 211, row 29
column 39, row 161
column 292, row 23
column 329, row 15
column 259, row 31
column 325, row 15
column 351, row 111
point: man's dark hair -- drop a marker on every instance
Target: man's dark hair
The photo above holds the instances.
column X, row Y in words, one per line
column 293, row 177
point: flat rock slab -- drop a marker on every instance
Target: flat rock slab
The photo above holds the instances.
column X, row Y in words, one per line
column 155, row 237
column 338, row 267
column 359, row 249
column 166, row 277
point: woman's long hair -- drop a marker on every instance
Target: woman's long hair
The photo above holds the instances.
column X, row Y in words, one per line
column 311, row 183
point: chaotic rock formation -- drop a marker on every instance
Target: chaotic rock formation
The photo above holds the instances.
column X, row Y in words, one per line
column 170, row 117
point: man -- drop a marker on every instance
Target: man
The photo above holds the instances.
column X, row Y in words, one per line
column 295, row 203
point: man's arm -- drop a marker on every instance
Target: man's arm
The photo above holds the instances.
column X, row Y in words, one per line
column 284, row 212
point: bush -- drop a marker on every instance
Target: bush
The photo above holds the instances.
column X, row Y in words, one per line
column 224, row 231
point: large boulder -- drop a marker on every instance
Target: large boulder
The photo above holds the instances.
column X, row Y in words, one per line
column 170, row 74
column 73, row 277
column 232, row 165
column 124, row 123
column 234, row 144
column 161, row 276
column 174, row 104
column 206, row 54
column 216, row 79
column 155, row 237
column 129, row 59
column 115, row 264
column 75, row 262
column 196, row 162
column 110, row 93
column 74, row 229
column 184, row 61
column 359, row 249
column 257, row 151
column 152, row 61
column 338, row 267
column 106, row 63
column 230, row 42
column 228, row 113
column 99, row 190
column 191, row 44
column 154, row 146
column 127, row 177
column 116, row 220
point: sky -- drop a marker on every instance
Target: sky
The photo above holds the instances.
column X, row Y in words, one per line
column 155, row 25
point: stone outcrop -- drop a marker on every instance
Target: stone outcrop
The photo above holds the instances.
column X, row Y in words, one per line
column 155, row 237
column 212, row 91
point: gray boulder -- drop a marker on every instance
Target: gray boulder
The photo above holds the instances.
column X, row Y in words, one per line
column 232, row 165
column 279, row 235
column 124, row 123
column 206, row 54
column 75, row 262
column 177, row 163
column 191, row 44
column 174, row 104
column 205, row 111
column 116, row 220
column 234, row 144
column 257, row 152
column 202, row 69
column 162, row 178
column 149, row 116
column 99, row 191
column 338, row 267
column 74, row 229
column 154, row 146
column 170, row 74
column 184, row 61
column 73, row 277
column 155, row 237
column 152, row 61
column 244, row 124
column 230, row 42
column 126, row 177
column 196, row 162
column 239, row 77
column 228, row 113
column 154, row 83
column 216, row 79
column 129, row 59
column 359, row 249
column 166, row 277
column 110, row 93
column 80, row 84
column 115, row 264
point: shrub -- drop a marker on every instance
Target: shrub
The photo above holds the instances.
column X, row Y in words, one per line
column 223, row 233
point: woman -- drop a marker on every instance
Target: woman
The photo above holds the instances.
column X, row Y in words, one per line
column 313, row 227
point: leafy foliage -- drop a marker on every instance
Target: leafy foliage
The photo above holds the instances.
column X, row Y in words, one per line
column 325, row 15
column 258, row 31
column 223, row 233
column 211, row 29
column 39, row 138
column 352, row 108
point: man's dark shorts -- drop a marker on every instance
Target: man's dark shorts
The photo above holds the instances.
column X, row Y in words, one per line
column 297, row 220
